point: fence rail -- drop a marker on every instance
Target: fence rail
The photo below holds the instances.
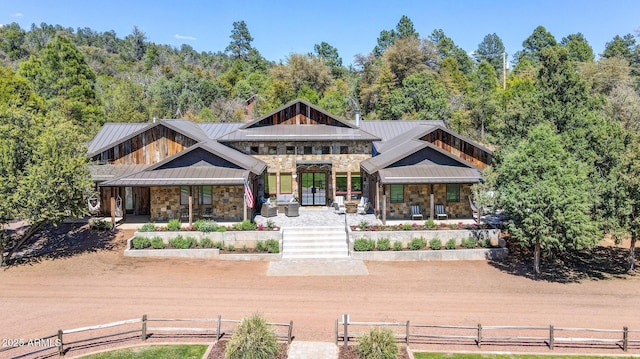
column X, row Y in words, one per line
column 345, row 331
column 219, row 327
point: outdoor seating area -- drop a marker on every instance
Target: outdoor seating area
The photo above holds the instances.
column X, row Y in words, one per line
column 416, row 213
column 440, row 212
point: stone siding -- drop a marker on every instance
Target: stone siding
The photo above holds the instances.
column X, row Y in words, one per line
column 419, row 194
column 227, row 203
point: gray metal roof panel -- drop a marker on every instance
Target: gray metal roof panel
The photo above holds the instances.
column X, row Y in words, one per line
column 299, row 133
column 388, row 129
column 215, row 130
column 111, row 133
column 391, row 156
column 291, row 103
column 429, row 174
column 184, row 176
column 100, row 173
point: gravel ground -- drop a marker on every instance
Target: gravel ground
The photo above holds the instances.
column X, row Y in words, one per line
column 77, row 278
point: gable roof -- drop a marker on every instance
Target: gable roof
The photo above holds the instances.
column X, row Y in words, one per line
column 260, row 121
column 113, row 134
column 206, row 163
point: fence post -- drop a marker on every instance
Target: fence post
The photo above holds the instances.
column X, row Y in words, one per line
column 218, row 327
column 625, row 338
column 407, row 338
column 551, row 336
column 337, row 331
column 143, row 336
column 479, row 335
column 290, row 330
column 345, row 320
column 60, row 347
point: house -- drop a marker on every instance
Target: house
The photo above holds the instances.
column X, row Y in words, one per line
column 178, row 168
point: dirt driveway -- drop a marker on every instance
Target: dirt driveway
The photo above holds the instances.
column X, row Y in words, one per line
column 100, row 286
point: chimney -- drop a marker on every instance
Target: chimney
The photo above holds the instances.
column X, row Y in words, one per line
column 358, row 118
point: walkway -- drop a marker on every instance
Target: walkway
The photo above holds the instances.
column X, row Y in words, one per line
column 318, row 216
column 317, row 267
column 312, row 350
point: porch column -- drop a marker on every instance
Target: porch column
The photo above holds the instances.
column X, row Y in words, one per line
column 431, row 204
column 244, row 206
column 113, row 210
column 190, row 205
column 377, row 197
column 384, row 206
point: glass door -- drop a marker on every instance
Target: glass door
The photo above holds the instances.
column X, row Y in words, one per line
column 313, row 189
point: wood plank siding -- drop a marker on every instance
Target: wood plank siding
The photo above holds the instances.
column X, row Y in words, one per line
column 459, row 148
column 299, row 114
column 149, row 147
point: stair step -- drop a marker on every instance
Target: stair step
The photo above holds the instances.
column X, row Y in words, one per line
column 314, row 242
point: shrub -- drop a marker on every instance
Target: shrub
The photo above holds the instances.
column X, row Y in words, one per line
column 397, row 246
column 378, row 344
column 485, row 243
column 157, row 243
column 270, row 224
column 363, row 225
column 218, row 245
column 148, row 227
column 206, row 242
column 429, row 223
column 248, row 225
column 417, row 244
column 231, row 248
column 272, row 245
column 469, row 243
column 435, row 244
column 174, row 225
column 406, row 227
column 100, row 225
column 205, row 226
column 451, row 244
column 141, row 242
column 363, row 245
column 180, row 242
column 260, row 246
column 383, row 244
column 253, row 338
column 221, row 229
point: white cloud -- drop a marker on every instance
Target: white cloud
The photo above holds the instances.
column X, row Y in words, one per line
column 182, row 37
column 18, row 14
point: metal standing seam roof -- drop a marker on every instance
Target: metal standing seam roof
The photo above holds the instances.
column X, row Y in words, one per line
column 298, row 133
column 429, row 174
column 389, row 129
column 112, row 133
column 245, row 161
column 291, row 103
column 184, row 176
column 393, row 155
column 215, row 130
column 101, row 173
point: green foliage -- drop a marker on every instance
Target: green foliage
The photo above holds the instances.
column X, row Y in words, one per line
column 430, row 223
column 363, row 224
column 378, row 343
column 272, row 246
column 252, row 339
column 406, row 227
column 469, row 243
column 221, row 229
column 183, row 351
column 435, row 244
column 270, row 224
column 363, row 245
column 100, row 225
column 231, row 248
column 383, row 244
column 157, row 243
column 417, row 244
column 248, row 225
column 451, row 244
column 141, row 242
column 397, row 246
column 174, row 225
column 260, row 246
column 180, row 242
column 206, row 242
column 218, row 244
column 148, row 227
column 205, row 226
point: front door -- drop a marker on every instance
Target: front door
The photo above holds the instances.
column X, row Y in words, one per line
column 313, row 189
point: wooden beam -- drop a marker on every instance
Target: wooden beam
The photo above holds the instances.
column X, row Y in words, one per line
column 190, row 205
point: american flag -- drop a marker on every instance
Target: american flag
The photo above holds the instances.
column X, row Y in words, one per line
column 248, row 196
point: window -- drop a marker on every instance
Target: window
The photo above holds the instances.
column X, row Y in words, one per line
column 204, row 195
column 254, row 150
column 397, row 193
column 184, row 195
column 326, row 150
column 341, row 184
column 344, row 150
column 356, row 186
column 272, row 150
column 308, row 150
column 271, row 184
column 453, row 192
column 290, row 150
column 285, row 183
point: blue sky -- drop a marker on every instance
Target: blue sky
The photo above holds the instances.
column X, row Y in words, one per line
column 280, row 28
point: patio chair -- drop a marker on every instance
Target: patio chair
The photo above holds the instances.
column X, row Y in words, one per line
column 338, row 204
column 184, row 214
column 291, row 209
column 440, row 213
column 208, row 213
column 268, row 210
column 475, row 211
column 416, row 213
column 363, row 205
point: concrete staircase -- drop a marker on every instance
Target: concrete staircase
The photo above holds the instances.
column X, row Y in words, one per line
column 314, row 243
